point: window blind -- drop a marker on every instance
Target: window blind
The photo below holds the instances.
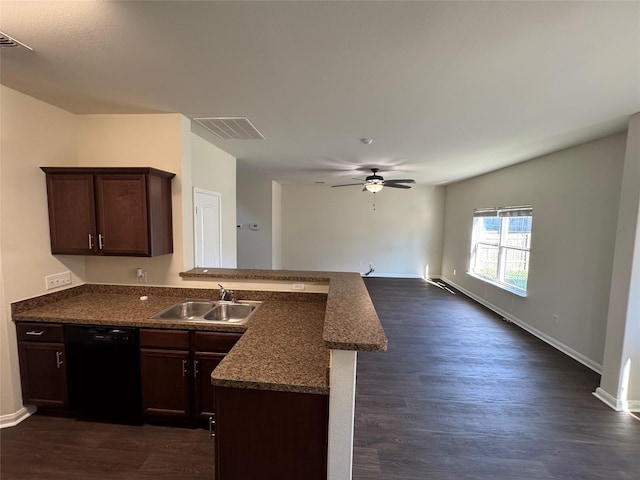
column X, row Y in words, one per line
column 519, row 211
column 485, row 212
column 524, row 211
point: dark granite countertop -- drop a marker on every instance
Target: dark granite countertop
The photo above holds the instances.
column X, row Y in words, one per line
column 351, row 322
column 287, row 340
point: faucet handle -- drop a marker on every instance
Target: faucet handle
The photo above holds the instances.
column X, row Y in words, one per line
column 223, row 292
column 226, row 294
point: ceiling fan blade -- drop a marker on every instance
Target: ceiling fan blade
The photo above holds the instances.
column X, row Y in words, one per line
column 404, row 180
column 346, row 185
column 393, row 185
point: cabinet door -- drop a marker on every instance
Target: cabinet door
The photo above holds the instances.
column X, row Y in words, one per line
column 43, row 374
column 279, row 434
column 122, row 214
column 72, row 222
column 203, row 364
column 165, row 382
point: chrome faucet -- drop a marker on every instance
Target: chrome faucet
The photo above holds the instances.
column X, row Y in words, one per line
column 226, row 294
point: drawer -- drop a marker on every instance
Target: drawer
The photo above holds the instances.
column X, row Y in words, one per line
column 216, row 341
column 152, row 337
column 40, row 332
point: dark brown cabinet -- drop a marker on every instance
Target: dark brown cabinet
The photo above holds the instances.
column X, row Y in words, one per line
column 43, row 371
column 280, row 434
column 109, row 211
column 176, row 368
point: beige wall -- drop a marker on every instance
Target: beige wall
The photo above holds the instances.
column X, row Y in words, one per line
column 575, row 194
column 33, row 134
column 255, row 205
column 276, row 225
column 215, row 170
column 160, row 141
column 337, row 229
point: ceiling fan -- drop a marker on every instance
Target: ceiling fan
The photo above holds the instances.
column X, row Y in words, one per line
column 374, row 183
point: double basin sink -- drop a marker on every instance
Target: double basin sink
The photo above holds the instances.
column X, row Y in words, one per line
column 210, row 311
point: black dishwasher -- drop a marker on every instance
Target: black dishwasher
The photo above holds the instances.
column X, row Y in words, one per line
column 104, row 372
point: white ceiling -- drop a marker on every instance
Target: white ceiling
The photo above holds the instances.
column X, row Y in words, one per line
column 447, row 90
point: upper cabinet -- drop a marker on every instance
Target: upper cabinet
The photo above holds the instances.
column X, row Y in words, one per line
column 109, row 211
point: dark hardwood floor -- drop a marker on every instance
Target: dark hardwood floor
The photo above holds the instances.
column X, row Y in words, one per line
column 460, row 394
column 55, row 448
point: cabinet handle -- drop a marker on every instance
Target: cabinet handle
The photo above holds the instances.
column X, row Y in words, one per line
column 90, row 242
column 195, row 369
column 59, row 362
column 34, row 333
column 212, row 422
column 100, row 241
column 184, row 368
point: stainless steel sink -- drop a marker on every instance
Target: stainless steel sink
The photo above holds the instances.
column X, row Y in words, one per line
column 209, row 311
column 230, row 312
column 187, row 310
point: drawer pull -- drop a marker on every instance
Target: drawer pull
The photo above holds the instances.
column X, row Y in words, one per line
column 59, row 362
column 34, row 333
column 212, row 422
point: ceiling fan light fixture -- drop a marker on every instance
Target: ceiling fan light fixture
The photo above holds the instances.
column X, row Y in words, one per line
column 374, row 186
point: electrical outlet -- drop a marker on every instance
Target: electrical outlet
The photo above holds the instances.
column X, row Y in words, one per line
column 454, row 271
column 57, row 280
column 141, row 275
column 555, row 319
column 297, row 286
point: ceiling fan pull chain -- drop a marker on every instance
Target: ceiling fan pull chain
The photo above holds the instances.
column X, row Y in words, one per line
column 374, row 201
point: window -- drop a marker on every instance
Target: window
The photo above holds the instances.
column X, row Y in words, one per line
column 500, row 246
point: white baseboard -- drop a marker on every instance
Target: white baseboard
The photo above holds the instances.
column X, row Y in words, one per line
column 391, row 275
column 615, row 403
column 583, row 359
column 13, row 419
column 608, row 399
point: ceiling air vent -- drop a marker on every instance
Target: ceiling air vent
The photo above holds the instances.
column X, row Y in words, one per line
column 231, row 128
column 9, row 42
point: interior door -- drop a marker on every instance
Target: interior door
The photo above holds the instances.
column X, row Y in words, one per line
column 207, row 214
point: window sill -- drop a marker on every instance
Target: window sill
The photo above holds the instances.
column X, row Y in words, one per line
column 502, row 286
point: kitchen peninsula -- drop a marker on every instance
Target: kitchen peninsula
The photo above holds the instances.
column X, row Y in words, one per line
column 350, row 324
column 297, row 343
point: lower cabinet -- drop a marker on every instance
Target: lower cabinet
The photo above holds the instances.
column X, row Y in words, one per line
column 279, row 434
column 204, row 363
column 43, row 369
column 175, row 368
column 166, row 389
column 176, row 371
